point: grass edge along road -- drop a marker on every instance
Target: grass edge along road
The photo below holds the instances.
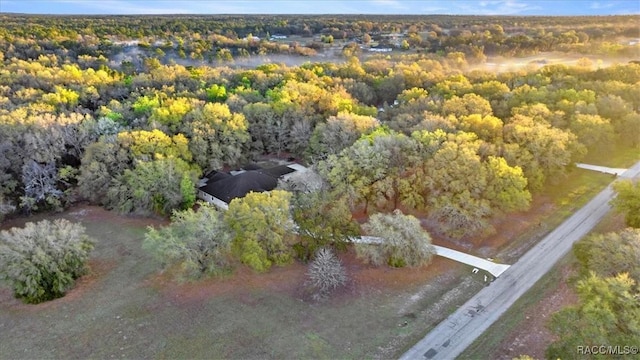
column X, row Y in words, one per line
column 460, row 329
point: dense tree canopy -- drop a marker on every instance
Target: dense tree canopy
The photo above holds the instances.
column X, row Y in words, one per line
column 128, row 112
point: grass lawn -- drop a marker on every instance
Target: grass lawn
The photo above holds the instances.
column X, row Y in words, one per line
column 125, row 309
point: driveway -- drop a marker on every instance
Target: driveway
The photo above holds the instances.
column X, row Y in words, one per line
column 494, row 269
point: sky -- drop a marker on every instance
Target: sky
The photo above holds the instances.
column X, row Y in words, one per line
column 412, row 7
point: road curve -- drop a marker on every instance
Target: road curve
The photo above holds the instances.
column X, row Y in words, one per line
column 452, row 336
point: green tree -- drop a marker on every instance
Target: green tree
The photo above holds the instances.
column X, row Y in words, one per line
column 462, row 189
column 102, row 162
column 158, row 186
column 268, row 130
column 611, row 254
column 403, row 241
column 217, row 93
column 42, row 260
column 263, row 229
column 628, row 201
column 144, row 105
column 543, row 151
column 216, row 135
column 488, row 128
column 608, row 313
column 466, row 105
column 628, row 129
column 338, row 133
column 171, row 112
column 148, row 145
column 198, row 242
column 372, row 171
column 321, row 222
column 506, row 186
column 592, row 131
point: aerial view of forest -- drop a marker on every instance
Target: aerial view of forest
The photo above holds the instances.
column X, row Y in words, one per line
column 250, row 185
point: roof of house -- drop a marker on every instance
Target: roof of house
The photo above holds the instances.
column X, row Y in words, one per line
column 217, row 176
column 278, row 171
column 231, row 187
column 236, row 184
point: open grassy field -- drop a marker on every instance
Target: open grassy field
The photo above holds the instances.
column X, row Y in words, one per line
column 125, row 309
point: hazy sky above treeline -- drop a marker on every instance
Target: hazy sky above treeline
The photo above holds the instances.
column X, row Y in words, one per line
column 410, row 7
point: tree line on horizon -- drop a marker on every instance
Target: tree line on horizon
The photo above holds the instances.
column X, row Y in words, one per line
column 214, row 39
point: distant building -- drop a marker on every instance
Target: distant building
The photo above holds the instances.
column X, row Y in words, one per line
column 380, row 49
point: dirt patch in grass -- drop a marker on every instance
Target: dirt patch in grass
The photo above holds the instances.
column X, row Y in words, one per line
column 290, row 280
column 510, row 227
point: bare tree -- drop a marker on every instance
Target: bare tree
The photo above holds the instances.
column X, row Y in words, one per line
column 40, row 185
column 326, row 274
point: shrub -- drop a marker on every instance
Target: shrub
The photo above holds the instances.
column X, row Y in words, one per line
column 326, row 273
column 404, row 242
column 42, row 260
column 199, row 242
